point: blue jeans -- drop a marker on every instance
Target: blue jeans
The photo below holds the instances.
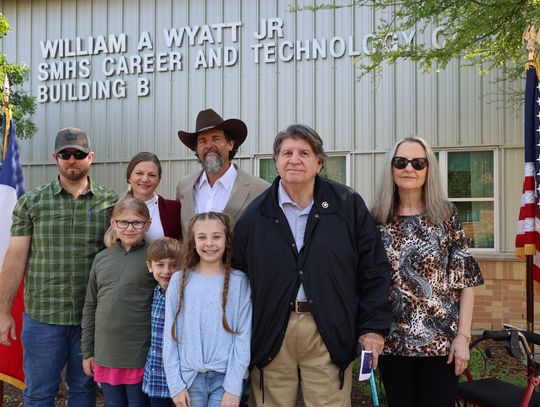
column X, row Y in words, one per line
column 124, row 395
column 207, row 389
column 48, row 348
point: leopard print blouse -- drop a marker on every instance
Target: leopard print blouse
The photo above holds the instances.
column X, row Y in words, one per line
column 430, row 264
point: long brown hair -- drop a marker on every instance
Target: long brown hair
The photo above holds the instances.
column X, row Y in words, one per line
column 190, row 258
column 387, row 202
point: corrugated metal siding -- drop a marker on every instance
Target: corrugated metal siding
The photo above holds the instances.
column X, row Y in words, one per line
column 450, row 108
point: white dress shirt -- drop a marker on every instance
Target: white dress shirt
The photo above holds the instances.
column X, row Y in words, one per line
column 214, row 198
column 156, row 228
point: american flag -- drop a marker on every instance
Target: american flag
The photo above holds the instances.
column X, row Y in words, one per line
column 528, row 230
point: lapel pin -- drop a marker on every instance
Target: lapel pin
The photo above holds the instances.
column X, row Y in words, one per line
column 325, row 205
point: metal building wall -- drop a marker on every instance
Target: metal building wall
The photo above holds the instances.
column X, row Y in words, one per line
column 453, row 108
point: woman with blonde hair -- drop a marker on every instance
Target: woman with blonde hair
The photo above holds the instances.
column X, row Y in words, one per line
column 433, row 278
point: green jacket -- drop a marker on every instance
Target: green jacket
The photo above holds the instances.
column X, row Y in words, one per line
column 116, row 313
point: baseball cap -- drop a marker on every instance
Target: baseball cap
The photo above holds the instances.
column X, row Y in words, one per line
column 72, row 137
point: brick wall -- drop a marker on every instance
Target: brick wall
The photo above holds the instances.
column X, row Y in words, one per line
column 502, row 298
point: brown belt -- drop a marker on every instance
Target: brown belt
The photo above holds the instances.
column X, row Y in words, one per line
column 301, row 307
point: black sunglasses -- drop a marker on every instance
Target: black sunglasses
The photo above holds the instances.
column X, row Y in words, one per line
column 66, row 155
column 417, row 163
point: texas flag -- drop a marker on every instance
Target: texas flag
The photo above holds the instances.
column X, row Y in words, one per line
column 11, row 188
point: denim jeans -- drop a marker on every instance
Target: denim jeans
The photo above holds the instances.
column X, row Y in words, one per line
column 125, row 395
column 207, row 389
column 48, row 348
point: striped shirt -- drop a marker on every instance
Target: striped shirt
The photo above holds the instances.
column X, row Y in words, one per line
column 66, row 233
column 154, row 381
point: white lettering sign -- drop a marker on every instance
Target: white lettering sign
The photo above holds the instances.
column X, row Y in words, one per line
column 66, row 72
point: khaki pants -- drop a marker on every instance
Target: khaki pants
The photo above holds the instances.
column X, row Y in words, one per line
column 303, row 359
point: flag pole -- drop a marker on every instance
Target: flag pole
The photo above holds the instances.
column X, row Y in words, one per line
column 530, row 293
column 5, row 103
column 531, row 36
column 5, row 108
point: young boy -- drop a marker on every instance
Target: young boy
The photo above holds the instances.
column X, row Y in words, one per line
column 163, row 257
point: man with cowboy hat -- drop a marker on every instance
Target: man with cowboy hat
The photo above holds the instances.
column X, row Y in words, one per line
column 220, row 186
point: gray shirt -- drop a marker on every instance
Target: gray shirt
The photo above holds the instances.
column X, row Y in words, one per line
column 202, row 343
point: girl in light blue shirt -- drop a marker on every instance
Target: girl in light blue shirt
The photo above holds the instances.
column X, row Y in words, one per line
column 206, row 348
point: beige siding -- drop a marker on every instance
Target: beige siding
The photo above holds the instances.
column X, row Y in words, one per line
column 452, row 108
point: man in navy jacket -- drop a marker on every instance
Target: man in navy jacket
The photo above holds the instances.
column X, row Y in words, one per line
column 320, row 279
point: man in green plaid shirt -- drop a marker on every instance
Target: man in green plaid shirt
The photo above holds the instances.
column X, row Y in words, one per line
column 57, row 230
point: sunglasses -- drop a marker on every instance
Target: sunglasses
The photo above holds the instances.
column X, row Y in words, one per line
column 66, row 155
column 124, row 224
column 417, row 163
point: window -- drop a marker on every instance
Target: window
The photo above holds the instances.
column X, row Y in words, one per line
column 335, row 168
column 470, row 186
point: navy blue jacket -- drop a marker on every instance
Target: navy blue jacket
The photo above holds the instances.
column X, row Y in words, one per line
column 342, row 266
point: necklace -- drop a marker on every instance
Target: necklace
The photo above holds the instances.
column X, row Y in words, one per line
column 152, row 205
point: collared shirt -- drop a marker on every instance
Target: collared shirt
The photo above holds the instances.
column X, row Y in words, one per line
column 154, row 381
column 297, row 218
column 214, row 198
column 66, row 233
column 156, row 227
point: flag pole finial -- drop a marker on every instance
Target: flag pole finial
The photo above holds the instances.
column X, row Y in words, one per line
column 531, row 37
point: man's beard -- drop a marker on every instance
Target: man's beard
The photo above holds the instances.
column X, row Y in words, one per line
column 213, row 164
column 74, row 176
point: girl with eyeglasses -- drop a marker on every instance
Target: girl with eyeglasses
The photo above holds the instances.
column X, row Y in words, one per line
column 116, row 314
column 433, row 278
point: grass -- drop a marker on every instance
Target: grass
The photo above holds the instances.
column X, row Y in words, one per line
column 365, row 388
column 501, row 366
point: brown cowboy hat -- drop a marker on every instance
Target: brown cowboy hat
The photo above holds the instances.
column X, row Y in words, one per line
column 208, row 120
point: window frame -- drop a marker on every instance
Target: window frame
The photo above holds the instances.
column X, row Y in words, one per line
column 443, row 167
column 346, row 154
